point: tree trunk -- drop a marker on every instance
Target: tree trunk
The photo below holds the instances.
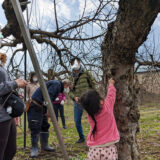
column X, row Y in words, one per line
column 123, row 37
column 12, row 27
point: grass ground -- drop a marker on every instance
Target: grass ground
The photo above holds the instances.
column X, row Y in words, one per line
column 148, row 138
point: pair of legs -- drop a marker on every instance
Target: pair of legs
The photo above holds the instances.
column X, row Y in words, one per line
column 37, row 119
column 7, row 140
column 39, row 126
column 103, row 153
column 78, row 112
column 60, row 108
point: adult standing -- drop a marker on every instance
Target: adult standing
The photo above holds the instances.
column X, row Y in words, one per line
column 37, row 117
column 82, row 81
column 33, row 84
column 7, row 123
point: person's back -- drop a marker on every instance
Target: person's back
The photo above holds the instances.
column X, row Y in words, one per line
column 103, row 133
column 54, row 88
column 106, row 124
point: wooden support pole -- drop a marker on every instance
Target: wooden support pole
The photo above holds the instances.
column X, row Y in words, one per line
column 27, row 39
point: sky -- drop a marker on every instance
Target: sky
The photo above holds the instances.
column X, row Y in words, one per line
column 68, row 10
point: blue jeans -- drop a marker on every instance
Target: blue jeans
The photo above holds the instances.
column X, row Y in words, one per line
column 78, row 111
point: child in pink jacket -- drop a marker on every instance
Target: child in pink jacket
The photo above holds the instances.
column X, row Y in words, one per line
column 103, row 133
column 58, row 105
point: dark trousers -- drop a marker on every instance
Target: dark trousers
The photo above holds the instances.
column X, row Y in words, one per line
column 60, row 108
column 7, row 140
column 37, row 119
column 78, row 112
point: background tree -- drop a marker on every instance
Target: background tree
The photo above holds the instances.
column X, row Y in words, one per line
column 124, row 29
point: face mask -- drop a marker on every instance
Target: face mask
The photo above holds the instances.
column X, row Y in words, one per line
column 66, row 90
column 76, row 65
column 35, row 79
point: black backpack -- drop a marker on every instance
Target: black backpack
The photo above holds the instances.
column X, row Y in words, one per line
column 15, row 102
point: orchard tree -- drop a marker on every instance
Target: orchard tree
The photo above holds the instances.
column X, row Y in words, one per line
column 123, row 38
column 123, row 27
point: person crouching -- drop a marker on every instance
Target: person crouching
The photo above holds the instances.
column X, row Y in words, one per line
column 37, row 117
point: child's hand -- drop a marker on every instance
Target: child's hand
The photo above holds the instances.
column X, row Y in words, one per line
column 111, row 81
column 57, row 99
column 62, row 102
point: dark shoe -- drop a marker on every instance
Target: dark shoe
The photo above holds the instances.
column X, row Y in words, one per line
column 64, row 127
column 34, row 141
column 81, row 140
column 44, row 142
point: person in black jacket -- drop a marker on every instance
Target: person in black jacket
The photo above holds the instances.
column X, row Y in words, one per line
column 7, row 123
column 37, row 118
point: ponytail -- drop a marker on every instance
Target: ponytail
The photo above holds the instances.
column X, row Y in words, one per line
column 90, row 101
column 95, row 126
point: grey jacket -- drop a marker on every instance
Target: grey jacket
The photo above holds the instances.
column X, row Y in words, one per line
column 6, row 86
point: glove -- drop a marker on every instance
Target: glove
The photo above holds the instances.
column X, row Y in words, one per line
column 62, row 102
column 57, row 99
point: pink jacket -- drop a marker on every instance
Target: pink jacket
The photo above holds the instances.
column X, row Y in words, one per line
column 62, row 97
column 106, row 124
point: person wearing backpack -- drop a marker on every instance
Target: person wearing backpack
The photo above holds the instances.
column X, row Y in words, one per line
column 82, row 82
column 7, row 123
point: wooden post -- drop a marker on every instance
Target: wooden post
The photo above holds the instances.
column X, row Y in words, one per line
column 27, row 39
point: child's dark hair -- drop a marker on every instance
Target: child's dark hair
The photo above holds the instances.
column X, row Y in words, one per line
column 90, row 101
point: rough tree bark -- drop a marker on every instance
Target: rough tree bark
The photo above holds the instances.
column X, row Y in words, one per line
column 123, row 37
column 12, row 27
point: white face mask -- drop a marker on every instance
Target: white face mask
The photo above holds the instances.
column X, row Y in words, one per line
column 76, row 65
column 66, row 90
column 35, row 79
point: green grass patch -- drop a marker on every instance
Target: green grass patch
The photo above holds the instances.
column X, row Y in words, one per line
column 148, row 137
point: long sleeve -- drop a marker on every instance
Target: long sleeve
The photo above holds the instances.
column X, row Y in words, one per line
column 64, row 97
column 110, row 98
column 71, row 95
column 92, row 80
column 7, row 86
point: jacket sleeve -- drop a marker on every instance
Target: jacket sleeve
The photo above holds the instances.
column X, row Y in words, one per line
column 92, row 80
column 110, row 98
column 71, row 94
column 7, row 86
column 64, row 97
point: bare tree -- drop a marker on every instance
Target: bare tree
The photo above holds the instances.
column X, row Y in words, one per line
column 126, row 29
column 67, row 39
column 124, row 36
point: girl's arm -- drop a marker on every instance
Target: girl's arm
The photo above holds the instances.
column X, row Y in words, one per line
column 110, row 98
